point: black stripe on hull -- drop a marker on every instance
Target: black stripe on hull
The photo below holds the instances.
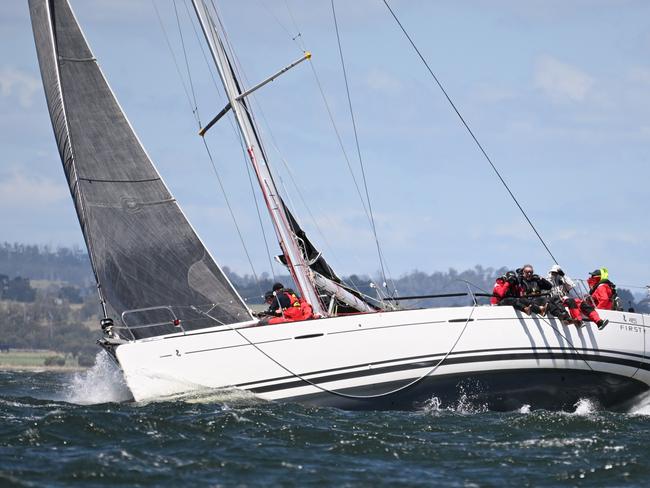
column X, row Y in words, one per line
column 511, row 356
column 503, row 390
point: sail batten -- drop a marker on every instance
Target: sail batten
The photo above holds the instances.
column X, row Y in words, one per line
column 144, row 252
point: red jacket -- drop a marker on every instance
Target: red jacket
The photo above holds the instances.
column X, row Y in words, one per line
column 500, row 291
column 298, row 310
column 601, row 293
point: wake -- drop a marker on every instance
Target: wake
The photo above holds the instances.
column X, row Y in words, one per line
column 641, row 406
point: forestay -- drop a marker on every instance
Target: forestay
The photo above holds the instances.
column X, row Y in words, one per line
column 144, row 252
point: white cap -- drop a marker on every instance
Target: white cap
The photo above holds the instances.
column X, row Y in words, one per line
column 556, row 268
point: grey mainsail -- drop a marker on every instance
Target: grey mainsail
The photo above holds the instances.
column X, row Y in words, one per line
column 151, row 266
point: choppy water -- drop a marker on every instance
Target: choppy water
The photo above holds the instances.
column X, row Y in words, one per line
column 59, row 429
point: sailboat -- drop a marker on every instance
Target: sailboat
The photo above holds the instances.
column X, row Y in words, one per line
column 175, row 324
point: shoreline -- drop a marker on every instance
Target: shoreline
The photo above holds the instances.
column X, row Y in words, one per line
column 42, row 368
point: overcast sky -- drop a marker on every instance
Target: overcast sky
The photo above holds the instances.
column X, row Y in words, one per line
column 558, row 93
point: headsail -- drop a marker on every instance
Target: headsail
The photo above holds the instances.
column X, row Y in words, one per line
column 144, row 252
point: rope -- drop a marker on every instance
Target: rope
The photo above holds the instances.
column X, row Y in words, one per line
column 346, row 395
column 453, row 105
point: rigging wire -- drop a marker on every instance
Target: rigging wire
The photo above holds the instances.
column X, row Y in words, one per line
column 200, row 43
column 356, row 140
column 299, row 41
column 275, row 17
column 232, row 213
column 238, row 136
column 298, row 37
column 301, row 196
column 239, row 72
column 187, row 65
column 302, row 47
column 257, row 206
column 471, row 133
column 548, row 322
column 178, row 70
column 205, row 144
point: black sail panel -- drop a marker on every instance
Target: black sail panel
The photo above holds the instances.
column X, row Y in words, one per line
column 318, row 263
column 144, row 252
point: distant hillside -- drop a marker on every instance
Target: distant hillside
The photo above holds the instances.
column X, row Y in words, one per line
column 43, row 263
column 72, row 266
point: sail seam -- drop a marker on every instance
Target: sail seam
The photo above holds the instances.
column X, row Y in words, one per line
column 75, row 60
column 101, row 180
column 133, row 205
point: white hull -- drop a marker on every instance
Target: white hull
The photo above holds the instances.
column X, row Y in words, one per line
column 499, row 357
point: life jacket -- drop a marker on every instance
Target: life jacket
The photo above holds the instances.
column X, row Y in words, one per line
column 534, row 286
column 614, row 301
column 306, row 310
column 503, row 289
column 530, row 287
column 300, row 309
column 292, row 296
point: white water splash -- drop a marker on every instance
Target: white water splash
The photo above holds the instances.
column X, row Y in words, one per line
column 102, row 383
column 584, row 406
column 464, row 406
column 467, row 406
column 524, row 409
column 432, row 405
column 641, row 406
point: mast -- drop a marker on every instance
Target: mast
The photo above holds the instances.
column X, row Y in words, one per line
column 296, row 262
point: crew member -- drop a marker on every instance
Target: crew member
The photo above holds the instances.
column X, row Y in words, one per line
column 507, row 292
column 601, row 290
column 559, row 294
column 285, row 306
column 532, row 286
column 562, row 286
column 277, row 300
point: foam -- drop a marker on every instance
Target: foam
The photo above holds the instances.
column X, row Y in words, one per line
column 103, row 383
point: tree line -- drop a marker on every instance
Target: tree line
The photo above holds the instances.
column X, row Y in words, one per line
column 63, row 312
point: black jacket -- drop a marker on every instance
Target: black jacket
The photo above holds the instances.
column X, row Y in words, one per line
column 534, row 285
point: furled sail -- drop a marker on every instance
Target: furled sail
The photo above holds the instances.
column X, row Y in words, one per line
column 327, row 280
column 151, row 266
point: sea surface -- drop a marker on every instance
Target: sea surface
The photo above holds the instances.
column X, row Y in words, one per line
column 61, row 429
